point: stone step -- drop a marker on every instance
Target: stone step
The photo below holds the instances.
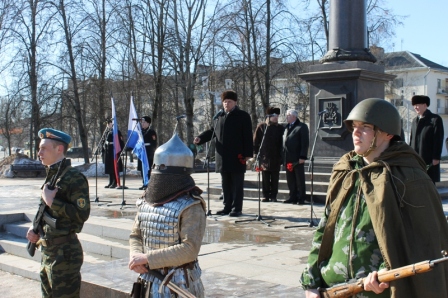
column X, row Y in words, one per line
column 282, row 185
column 110, row 279
column 15, row 245
column 252, row 194
column 320, row 186
column 99, row 236
column 106, row 254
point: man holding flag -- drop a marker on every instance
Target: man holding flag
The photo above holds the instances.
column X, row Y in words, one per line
column 111, row 151
column 143, row 141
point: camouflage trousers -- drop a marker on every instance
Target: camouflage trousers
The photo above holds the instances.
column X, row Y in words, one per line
column 60, row 270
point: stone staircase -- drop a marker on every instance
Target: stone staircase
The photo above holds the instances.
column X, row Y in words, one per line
column 321, row 176
column 106, row 254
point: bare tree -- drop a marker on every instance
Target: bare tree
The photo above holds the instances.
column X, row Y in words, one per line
column 71, row 26
column 190, row 28
column 381, row 22
column 30, row 32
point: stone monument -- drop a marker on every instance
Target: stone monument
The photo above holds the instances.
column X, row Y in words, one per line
column 347, row 74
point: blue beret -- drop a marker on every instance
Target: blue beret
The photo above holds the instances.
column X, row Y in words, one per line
column 54, row 134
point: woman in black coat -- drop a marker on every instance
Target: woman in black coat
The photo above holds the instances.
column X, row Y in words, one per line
column 269, row 153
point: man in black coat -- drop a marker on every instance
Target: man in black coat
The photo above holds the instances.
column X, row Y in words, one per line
column 108, row 156
column 150, row 139
column 233, row 148
column 427, row 135
column 295, row 152
column 269, row 153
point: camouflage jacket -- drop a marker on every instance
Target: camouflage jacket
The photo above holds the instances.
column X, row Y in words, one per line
column 71, row 205
column 406, row 216
column 355, row 248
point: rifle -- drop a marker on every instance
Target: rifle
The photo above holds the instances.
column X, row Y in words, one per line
column 43, row 215
column 357, row 286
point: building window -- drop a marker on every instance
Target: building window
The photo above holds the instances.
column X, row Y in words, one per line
column 397, row 83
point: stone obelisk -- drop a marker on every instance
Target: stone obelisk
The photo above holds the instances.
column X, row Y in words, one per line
column 347, row 74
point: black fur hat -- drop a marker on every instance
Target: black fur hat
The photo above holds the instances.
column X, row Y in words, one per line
column 229, row 94
column 272, row 110
column 416, row 99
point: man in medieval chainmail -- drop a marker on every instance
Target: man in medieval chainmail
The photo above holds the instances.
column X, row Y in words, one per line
column 170, row 224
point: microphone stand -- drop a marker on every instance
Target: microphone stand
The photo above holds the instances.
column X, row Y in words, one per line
column 207, row 161
column 311, row 169
column 258, row 165
column 123, row 187
column 96, row 152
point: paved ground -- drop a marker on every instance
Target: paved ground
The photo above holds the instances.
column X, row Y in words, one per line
column 262, row 254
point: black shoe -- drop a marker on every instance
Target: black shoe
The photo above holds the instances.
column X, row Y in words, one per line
column 289, row 202
column 300, row 203
column 107, row 186
column 143, row 187
column 222, row 212
column 265, row 200
column 221, row 197
column 235, row 213
column 113, row 185
column 273, row 200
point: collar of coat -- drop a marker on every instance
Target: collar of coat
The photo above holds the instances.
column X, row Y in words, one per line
column 398, row 154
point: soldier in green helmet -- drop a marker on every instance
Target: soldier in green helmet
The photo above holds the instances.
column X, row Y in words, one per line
column 382, row 212
column 69, row 205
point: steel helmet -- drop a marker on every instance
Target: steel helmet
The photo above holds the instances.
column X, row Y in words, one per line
column 378, row 112
column 173, row 157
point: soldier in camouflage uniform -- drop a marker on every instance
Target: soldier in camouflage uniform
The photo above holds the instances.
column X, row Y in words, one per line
column 170, row 224
column 69, row 204
column 382, row 212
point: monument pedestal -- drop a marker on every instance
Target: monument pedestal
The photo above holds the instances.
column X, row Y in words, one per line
column 337, row 87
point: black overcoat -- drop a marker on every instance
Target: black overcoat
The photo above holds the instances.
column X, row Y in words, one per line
column 295, row 142
column 233, row 136
column 426, row 138
column 271, row 150
column 108, row 153
column 150, row 139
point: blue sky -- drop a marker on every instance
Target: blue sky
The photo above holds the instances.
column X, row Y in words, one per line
column 425, row 29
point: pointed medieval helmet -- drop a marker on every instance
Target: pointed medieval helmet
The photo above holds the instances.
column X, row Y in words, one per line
column 173, row 157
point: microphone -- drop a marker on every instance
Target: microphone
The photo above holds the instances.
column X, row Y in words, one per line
column 219, row 114
column 136, row 119
column 271, row 115
column 322, row 112
column 181, row 116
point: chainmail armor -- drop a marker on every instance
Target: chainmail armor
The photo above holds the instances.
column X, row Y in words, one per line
column 159, row 224
column 159, row 227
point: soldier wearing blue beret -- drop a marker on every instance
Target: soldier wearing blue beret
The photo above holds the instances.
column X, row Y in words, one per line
column 69, row 204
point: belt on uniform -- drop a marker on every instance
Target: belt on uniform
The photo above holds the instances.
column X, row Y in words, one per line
column 109, row 143
column 147, row 144
column 58, row 240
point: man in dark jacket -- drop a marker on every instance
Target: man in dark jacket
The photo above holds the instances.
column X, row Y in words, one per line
column 427, row 135
column 295, row 152
column 150, row 138
column 233, row 148
column 269, row 153
column 108, row 156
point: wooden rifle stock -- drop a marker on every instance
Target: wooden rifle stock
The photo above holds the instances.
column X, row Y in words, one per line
column 357, row 286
